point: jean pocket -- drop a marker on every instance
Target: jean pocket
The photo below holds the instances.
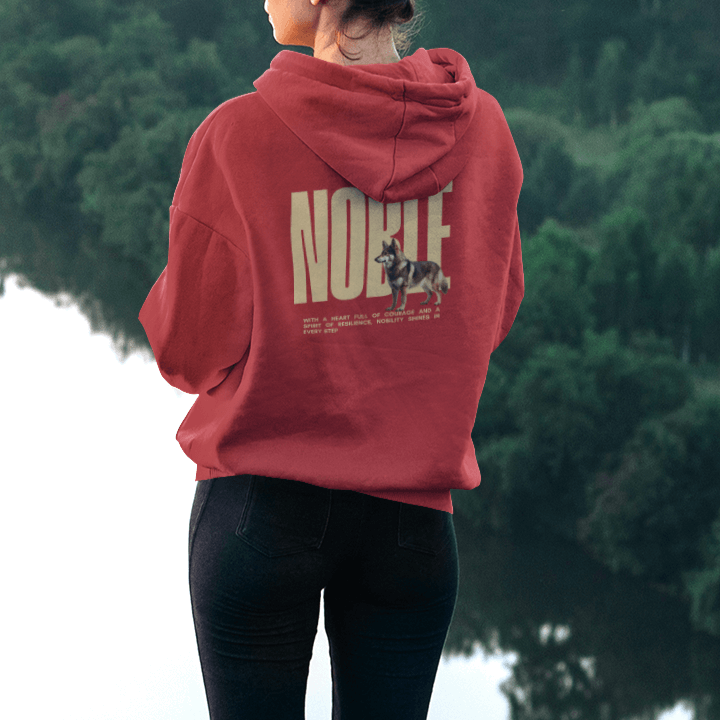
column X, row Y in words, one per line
column 424, row 529
column 282, row 517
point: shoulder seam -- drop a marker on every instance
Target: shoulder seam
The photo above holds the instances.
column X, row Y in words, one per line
column 209, row 227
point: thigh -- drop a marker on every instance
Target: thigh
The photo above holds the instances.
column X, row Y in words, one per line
column 256, row 572
column 387, row 614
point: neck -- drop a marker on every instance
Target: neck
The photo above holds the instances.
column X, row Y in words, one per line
column 375, row 48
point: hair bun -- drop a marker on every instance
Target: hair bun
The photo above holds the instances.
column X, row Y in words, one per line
column 381, row 13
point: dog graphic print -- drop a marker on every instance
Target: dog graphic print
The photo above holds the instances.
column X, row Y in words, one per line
column 403, row 274
column 335, row 236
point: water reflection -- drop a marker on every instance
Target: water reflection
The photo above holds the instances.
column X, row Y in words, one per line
column 590, row 645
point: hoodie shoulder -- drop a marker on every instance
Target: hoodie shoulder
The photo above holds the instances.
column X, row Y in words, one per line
column 230, row 112
column 495, row 125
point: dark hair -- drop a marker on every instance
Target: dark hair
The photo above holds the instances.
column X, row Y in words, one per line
column 380, row 13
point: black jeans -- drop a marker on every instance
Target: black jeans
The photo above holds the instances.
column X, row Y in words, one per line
column 260, row 552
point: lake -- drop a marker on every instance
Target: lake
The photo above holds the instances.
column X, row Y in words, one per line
column 589, row 644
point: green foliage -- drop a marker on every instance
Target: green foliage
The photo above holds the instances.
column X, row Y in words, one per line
column 656, row 265
column 634, row 382
column 707, row 317
column 703, row 586
column 556, row 406
column 677, row 282
column 494, row 418
column 610, row 81
column 598, row 57
column 653, row 121
column 652, row 514
column 556, row 306
column 573, row 88
column 200, row 74
column 142, row 40
column 124, row 188
column 548, row 169
column 42, row 67
column 675, row 180
column 573, row 410
column 622, row 277
column 655, row 75
column 95, row 128
column 554, row 183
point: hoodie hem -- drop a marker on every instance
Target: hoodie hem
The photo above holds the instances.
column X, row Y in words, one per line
column 436, row 500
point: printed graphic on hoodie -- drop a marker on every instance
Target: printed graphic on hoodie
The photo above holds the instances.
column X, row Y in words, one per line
column 341, row 245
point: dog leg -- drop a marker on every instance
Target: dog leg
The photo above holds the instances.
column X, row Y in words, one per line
column 436, row 288
column 395, row 297
column 404, row 298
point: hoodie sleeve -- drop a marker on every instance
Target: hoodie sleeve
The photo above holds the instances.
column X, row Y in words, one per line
column 198, row 315
column 514, row 289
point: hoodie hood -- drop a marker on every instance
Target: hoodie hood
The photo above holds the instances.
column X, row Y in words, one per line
column 395, row 131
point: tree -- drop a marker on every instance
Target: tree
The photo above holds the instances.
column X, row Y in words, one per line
column 656, row 76
column 653, row 514
column 623, row 272
column 610, row 80
column 706, row 337
column 548, row 168
column 703, row 585
column 674, row 178
column 573, row 87
column 557, row 302
column 677, row 286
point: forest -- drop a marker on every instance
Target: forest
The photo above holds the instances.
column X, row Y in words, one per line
column 600, row 417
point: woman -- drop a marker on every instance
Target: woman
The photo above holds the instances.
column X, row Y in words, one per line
column 330, row 425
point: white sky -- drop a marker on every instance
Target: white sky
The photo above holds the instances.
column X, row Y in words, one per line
column 96, row 505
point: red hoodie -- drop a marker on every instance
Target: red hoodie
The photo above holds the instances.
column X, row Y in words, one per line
column 296, row 206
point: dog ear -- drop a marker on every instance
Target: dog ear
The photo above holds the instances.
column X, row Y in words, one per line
column 395, row 243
